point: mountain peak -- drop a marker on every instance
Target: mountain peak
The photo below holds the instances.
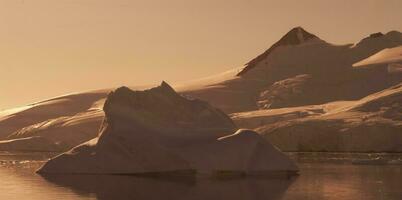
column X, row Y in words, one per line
column 295, row 36
column 372, row 36
column 376, row 35
column 387, row 40
column 124, row 95
column 161, row 109
column 166, row 87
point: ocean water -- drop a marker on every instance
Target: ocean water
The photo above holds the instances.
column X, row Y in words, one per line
column 322, row 176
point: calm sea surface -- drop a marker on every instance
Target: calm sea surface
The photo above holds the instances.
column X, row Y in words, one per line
column 322, row 176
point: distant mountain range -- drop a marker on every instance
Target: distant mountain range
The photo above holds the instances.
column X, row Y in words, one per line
column 300, row 92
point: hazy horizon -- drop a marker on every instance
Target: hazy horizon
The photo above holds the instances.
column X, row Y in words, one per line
column 51, row 48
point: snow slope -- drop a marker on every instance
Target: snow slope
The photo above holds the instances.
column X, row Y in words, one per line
column 372, row 124
column 300, row 70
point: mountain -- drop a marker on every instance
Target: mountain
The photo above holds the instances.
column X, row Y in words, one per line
column 300, row 70
column 62, row 122
column 304, row 72
column 371, row 124
column 160, row 131
column 296, row 36
column 69, row 105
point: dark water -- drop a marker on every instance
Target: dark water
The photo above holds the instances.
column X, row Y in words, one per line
column 322, row 176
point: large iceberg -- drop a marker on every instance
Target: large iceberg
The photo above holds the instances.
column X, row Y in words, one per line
column 159, row 131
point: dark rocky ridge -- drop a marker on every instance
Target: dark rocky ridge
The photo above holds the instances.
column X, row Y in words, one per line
column 295, row 36
column 376, row 35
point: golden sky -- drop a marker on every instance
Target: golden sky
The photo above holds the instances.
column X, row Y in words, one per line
column 53, row 47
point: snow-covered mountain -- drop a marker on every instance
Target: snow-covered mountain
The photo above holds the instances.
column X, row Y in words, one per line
column 300, row 70
column 371, row 124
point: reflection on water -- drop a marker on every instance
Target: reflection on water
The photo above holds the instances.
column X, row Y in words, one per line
column 18, row 181
column 317, row 181
column 126, row 187
column 347, row 182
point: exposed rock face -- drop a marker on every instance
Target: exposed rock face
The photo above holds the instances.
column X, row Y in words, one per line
column 159, row 131
column 295, row 36
column 284, row 93
column 375, row 35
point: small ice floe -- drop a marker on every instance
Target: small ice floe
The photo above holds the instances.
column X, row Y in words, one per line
column 395, row 162
column 377, row 161
column 373, row 161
